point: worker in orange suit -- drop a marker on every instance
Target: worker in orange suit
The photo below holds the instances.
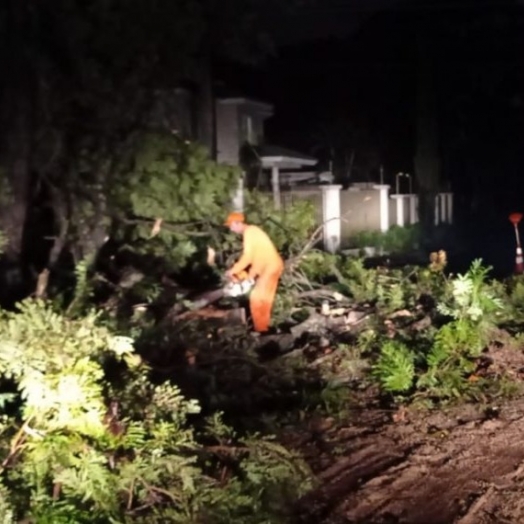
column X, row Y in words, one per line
column 260, row 261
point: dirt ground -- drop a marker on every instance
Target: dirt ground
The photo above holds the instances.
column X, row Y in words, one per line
column 459, row 465
column 463, row 465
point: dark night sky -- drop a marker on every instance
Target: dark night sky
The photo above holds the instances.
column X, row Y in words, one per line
column 327, row 18
column 356, row 61
column 340, row 18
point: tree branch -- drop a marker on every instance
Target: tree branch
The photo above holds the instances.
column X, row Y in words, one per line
column 175, row 227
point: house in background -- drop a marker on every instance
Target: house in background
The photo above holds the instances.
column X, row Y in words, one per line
column 232, row 128
column 240, row 140
column 237, row 137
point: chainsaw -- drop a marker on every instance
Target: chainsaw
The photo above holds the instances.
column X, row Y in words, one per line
column 231, row 288
column 238, row 286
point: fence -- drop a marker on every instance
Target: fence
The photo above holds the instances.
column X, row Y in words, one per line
column 362, row 207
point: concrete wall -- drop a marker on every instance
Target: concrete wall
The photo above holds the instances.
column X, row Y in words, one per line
column 392, row 211
column 406, row 210
column 360, row 211
column 312, row 194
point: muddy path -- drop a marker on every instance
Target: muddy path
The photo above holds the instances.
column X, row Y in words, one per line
column 461, row 465
column 464, row 466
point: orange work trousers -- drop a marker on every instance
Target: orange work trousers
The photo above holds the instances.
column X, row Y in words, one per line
column 262, row 298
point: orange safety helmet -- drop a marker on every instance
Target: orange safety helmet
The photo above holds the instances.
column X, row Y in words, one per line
column 236, row 216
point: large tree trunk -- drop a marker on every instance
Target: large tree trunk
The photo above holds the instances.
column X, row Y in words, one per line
column 16, row 105
column 16, row 131
column 16, row 180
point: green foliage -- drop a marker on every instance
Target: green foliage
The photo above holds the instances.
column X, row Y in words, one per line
column 391, row 295
column 475, row 306
column 367, row 239
column 452, row 359
column 289, row 228
column 86, row 445
column 431, row 283
column 516, row 294
column 442, row 371
column 7, row 515
column 318, row 265
column 174, row 180
column 390, row 290
column 117, row 91
column 395, row 240
column 367, row 339
column 283, row 307
column 470, row 297
column 401, row 239
column 362, row 282
column 395, row 368
column 264, row 487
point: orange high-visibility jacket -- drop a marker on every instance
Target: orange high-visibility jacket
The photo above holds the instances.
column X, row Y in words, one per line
column 260, row 254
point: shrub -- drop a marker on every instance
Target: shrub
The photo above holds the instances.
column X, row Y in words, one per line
column 86, row 437
column 470, row 307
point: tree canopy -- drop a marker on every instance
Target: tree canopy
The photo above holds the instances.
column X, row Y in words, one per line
column 78, row 80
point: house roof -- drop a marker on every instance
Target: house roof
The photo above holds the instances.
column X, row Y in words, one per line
column 276, row 156
column 242, row 100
